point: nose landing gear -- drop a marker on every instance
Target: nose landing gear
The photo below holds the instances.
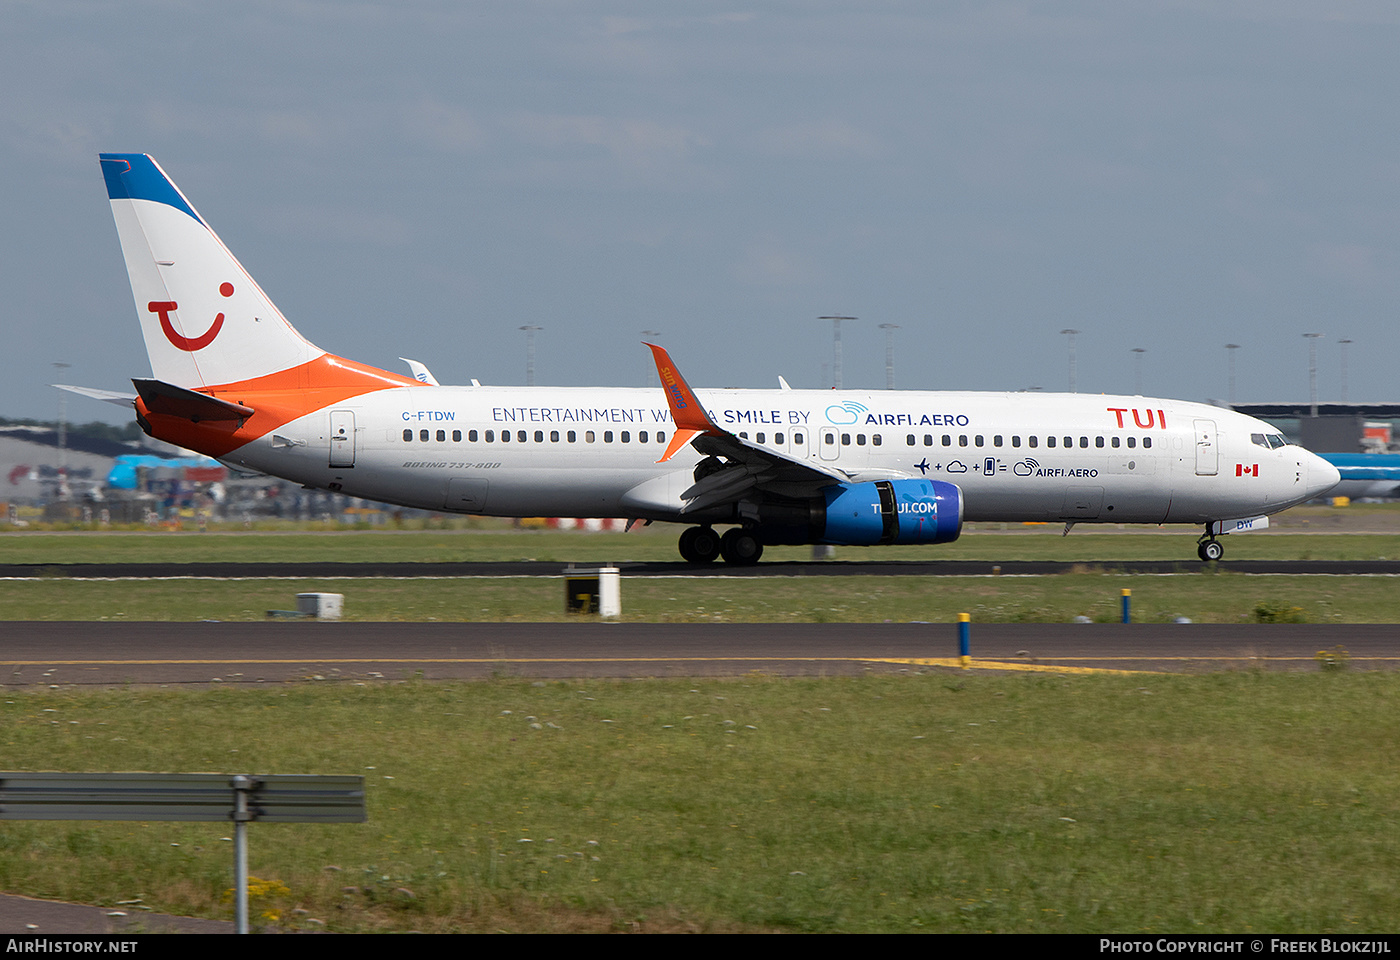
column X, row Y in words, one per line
column 1208, row 548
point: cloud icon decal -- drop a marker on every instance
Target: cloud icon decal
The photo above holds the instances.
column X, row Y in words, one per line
column 846, row 413
column 957, row 466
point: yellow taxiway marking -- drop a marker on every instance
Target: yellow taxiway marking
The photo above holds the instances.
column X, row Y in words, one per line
column 1059, row 666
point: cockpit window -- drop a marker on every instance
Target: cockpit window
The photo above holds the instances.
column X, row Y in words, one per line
column 1259, row 439
column 1277, row 440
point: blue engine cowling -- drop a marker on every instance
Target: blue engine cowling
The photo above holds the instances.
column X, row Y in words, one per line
column 893, row 511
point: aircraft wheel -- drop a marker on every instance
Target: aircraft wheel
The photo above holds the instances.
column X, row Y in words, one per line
column 699, row 545
column 1210, row 550
column 740, row 547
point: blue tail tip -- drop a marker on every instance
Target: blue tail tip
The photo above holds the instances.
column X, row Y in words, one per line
column 135, row 176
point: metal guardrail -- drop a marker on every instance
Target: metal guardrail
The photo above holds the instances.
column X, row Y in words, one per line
column 210, row 797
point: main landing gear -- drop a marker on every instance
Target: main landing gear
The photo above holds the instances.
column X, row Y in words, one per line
column 1208, row 548
column 738, row 546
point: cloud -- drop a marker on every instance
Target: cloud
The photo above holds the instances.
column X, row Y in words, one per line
column 767, row 263
column 824, row 138
column 446, row 127
column 638, row 143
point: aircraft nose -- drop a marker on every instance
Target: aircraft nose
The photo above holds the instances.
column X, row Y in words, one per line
column 1322, row 476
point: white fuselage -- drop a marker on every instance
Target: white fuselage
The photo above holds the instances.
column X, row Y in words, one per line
column 593, row 451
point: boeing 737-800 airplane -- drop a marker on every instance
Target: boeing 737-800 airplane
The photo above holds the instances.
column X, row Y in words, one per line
column 231, row 378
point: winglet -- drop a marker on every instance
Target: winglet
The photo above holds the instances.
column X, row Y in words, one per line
column 690, row 417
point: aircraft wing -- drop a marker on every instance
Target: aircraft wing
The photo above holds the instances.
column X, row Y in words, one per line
column 740, row 465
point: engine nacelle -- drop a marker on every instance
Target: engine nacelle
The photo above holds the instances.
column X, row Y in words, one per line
column 885, row 511
column 893, row 511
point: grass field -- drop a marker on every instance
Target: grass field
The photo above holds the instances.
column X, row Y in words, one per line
column 1242, row 802
column 1239, row 802
column 1363, row 532
column 1204, row 598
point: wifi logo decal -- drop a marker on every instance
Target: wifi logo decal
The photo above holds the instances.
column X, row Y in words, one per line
column 848, row 412
column 1025, row 468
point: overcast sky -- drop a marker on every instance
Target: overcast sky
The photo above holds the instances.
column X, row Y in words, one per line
column 422, row 179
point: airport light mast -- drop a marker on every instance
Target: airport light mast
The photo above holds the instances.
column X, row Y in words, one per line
column 1312, row 371
column 836, row 349
column 1230, row 349
column 530, row 353
column 1073, row 386
column 889, row 329
column 1343, row 344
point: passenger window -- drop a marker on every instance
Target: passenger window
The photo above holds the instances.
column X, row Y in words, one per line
column 877, row 440
column 423, row 435
column 1147, row 441
column 408, row 436
column 442, row 436
column 1084, row 442
column 607, row 436
column 928, row 440
column 860, row 439
column 845, row 439
column 505, row 436
column 642, row 437
column 539, row 436
column 490, row 436
column 1049, row 441
column 1132, row 442
column 660, row 437
column 471, row 436
column 962, row 439
column 573, row 436
column 1115, row 441
column 456, row 436
column 830, row 439
column 759, row 438
column 588, row 436
column 910, row 439
column 1032, row 441
column 743, row 435
column 1069, row 441
column 1015, row 441
column 796, row 438
column 978, row 440
column 996, row 441
column 520, row 435
column 554, row 436
column 947, row 440
column 1098, row 441
column 777, row 438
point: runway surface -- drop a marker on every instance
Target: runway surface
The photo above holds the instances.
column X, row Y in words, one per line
column 823, row 568
column 87, row 653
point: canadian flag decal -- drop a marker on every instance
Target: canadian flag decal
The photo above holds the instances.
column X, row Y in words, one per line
column 1242, row 470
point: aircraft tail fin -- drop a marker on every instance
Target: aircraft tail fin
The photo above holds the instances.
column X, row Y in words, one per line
column 206, row 322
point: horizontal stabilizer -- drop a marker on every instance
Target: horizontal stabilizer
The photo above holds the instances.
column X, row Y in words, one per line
column 107, row 396
column 173, row 401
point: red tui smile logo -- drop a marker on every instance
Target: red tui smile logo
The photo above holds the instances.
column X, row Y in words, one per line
column 189, row 344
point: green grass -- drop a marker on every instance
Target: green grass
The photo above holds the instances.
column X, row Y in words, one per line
column 1204, row 598
column 1233, row 802
column 496, row 541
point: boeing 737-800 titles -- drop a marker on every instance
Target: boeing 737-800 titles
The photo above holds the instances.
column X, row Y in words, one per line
column 231, row 378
